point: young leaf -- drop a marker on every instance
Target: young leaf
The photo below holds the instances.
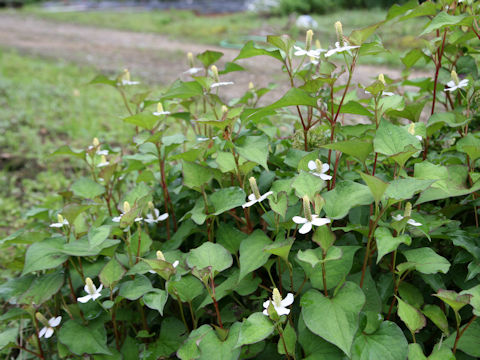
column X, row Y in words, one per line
column 412, row 317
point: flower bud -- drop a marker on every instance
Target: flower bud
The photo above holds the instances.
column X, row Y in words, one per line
column 150, row 205
column 90, row 286
column 254, row 187
column 251, row 86
column 215, row 73
column 126, row 207
column 95, row 142
column 42, row 319
column 408, row 210
column 276, row 297
column 319, row 201
column 308, row 39
column 190, row 60
column 455, row 77
column 160, row 256
column 103, row 159
column 306, row 208
column 224, row 109
column 319, row 165
column 339, row 31
column 160, row 107
column 60, row 218
column 381, row 78
column 126, row 74
column 317, row 44
column 411, row 129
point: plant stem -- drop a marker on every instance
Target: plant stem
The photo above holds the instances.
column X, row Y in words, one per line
column 180, row 306
column 42, row 355
column 280, row 332
column 460, row 333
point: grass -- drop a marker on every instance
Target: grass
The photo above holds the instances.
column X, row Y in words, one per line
column 232, row 29
column 43, row 105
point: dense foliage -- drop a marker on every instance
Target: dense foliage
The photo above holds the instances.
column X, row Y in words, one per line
column 286, row 7
column 217, row 234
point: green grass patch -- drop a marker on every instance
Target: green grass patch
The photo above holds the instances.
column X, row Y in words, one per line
column 43, row 105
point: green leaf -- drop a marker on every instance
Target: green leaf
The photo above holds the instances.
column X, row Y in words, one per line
column 393, row 139
column 195, row 175
column 210, row 255
column 172, row 335
column 111, row 273
column 249, row 50
column 79, row 339
column 437, row 316
column 307, row 184
column 443, row 19
column 411, row 59
column 404, row 189
column 9, row 336
column 290, row 339
column 283, row 42
column 389, row 104
column 145, row 120
column 226, row 199
column 475, row 298
column 352, row 107
column 346, row 195
column 410, row 294
column 450, row 119
column 470, row 145
column 212, row 348
column 102, row 79
column 386, row 243
column 324, row 237
column 209, row 57
column 43, row 288
column 87, row 188
column 225, row 161
column 415, row 352
column 469, row 341
column 336, row 319
column 229, row 237
column 377, row 187
column 356, row 148
column 136, row 288
column 156, row 300
column 254, row 148
column 254, row 329
column 98, row 235
column 183, row 90
column 189, row 349
column 453, row 299
column 358, row 37
column 311, row 256
column 187, row 288
column 427, row 261
column 315, row 347
column 252, row 254
column 279, row 203
column 231, row 67
column 387, row 343
column 43, row 255
column 412, row 317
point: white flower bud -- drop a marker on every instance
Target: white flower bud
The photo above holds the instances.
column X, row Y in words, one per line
column 160, row 107
column 95, row 142
column 254, row 187
column 306, row 208
column 190, row 60
column 381, row 78
column 126, row 207
column 308, row 39
column 408, row 210
column 60, row 218
column 215, row 73
column 90, row 286
column 160, row 256
column 339, row 31
column 455, row 77
column 276, row 297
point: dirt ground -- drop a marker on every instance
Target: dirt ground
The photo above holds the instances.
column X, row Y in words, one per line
column 153, row 57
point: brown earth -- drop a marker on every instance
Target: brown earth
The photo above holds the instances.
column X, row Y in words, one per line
column 153, row 57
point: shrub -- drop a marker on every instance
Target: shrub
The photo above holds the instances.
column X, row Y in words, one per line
column 355, row 240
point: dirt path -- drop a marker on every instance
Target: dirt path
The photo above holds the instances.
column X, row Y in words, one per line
column 153, row 57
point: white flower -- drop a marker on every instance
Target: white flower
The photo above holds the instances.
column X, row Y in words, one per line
column 279, row 304
column 192, row 71
column 419, row 137
column 160, row 256
column 47, row 331
column 126, row 209
column 224, row 83
column 160, row 110
column 103, row 162
column 61, row 222
column 200, row 138
column 102, row 152
column 307, row 224
column 253, row 199
column 410, row 221
column 91, row 290
column 452, row 86
column 128, row 82
column 156, row 217
column 339, row 49
column 310, row 53
column 320, row 168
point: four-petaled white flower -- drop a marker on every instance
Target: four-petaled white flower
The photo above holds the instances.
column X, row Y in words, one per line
column 193, row 71
column 385, row 93
column 339, row 49
column 160, row 110
column 47, row 331
column 279, row 304
column 320, row 169
column 128, row 82
column 313, row 53
column 91, row 290
column 307, row 224
column 410, row 221
column 102, row 152
column 255, row 196
column 452, row 85
column 103, row 162
column 61, row 222
column 126, row 209
column 222, row 83
column 156, row 217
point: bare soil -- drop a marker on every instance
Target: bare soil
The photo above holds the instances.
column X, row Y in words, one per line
column 153, row 57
